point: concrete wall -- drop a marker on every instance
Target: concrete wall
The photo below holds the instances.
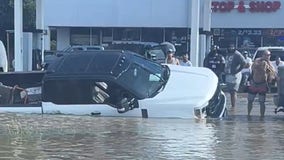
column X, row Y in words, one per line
column 63, row 38
column 151, row 13
column 116, row 13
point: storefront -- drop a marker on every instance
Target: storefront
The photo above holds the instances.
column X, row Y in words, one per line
column 247, row 23
column 247, row 38
column 106, row 36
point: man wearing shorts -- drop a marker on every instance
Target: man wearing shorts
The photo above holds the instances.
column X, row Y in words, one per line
column 262, row 74
column 234, row 63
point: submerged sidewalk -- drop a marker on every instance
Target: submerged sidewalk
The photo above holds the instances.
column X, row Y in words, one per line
column 241, row 105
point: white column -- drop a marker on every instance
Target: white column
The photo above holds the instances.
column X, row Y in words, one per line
column 28, row 51
column 207, row 15
column 194, row 36
column 39, row 14
column 40, row 24
column 205, row 39
column 188, row 27
column 18, row 37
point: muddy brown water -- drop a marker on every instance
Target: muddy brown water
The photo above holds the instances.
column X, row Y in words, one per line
column 25, row 136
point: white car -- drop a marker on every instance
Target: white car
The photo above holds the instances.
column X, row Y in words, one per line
column 121, row 83
column 275, row 51
column 3, row 58
column 83, row 48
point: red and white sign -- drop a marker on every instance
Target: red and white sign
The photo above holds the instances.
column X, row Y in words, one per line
column 241, row 6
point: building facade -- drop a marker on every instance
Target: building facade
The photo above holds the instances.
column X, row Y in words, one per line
column 247, row 23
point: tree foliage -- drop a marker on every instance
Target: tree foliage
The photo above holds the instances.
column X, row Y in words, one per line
column 7, row 15
column 29, row 14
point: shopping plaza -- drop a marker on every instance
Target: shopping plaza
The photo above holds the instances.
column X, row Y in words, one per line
column 246, row 23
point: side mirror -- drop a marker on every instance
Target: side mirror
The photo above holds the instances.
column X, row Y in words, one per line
column 153, row 57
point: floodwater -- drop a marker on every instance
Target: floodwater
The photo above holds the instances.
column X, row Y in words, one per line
column 24, row 136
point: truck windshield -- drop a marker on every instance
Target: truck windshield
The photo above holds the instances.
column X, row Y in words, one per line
column 146, row 79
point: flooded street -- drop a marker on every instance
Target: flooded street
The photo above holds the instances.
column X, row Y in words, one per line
column 85, row 137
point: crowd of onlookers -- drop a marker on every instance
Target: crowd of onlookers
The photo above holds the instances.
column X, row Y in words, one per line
column 238, row 72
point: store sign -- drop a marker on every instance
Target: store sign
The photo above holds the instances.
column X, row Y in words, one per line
column 274, row 32
column 238, row 32
column 249, row 32
column 252, row 6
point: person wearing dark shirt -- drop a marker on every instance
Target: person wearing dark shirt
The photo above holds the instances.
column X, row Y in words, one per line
column 235, row 62
column 215, row 61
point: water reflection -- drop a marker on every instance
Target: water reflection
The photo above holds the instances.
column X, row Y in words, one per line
column 243, row 137
column 79, row 137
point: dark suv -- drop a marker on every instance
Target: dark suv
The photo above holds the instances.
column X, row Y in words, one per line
column 150, row 50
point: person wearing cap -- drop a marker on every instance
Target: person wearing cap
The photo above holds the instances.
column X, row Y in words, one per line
column 246, row 71
column 215, row 61
column 170, row 57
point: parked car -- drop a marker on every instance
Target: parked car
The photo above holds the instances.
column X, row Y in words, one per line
column 3, row 58
column 275, row 51
column 134, row 46
column 83, row 48
column 79, row 48
column 150, row 50
column 156, row 54
column 159, row 52
column 278, row 98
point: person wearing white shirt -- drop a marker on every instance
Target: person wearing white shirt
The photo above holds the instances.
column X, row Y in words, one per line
column 278, row 62
column 246, row 71
column 247, row 68
column 185, row 61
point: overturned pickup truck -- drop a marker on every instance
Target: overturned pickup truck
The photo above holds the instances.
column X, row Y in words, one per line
column 122, row 83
